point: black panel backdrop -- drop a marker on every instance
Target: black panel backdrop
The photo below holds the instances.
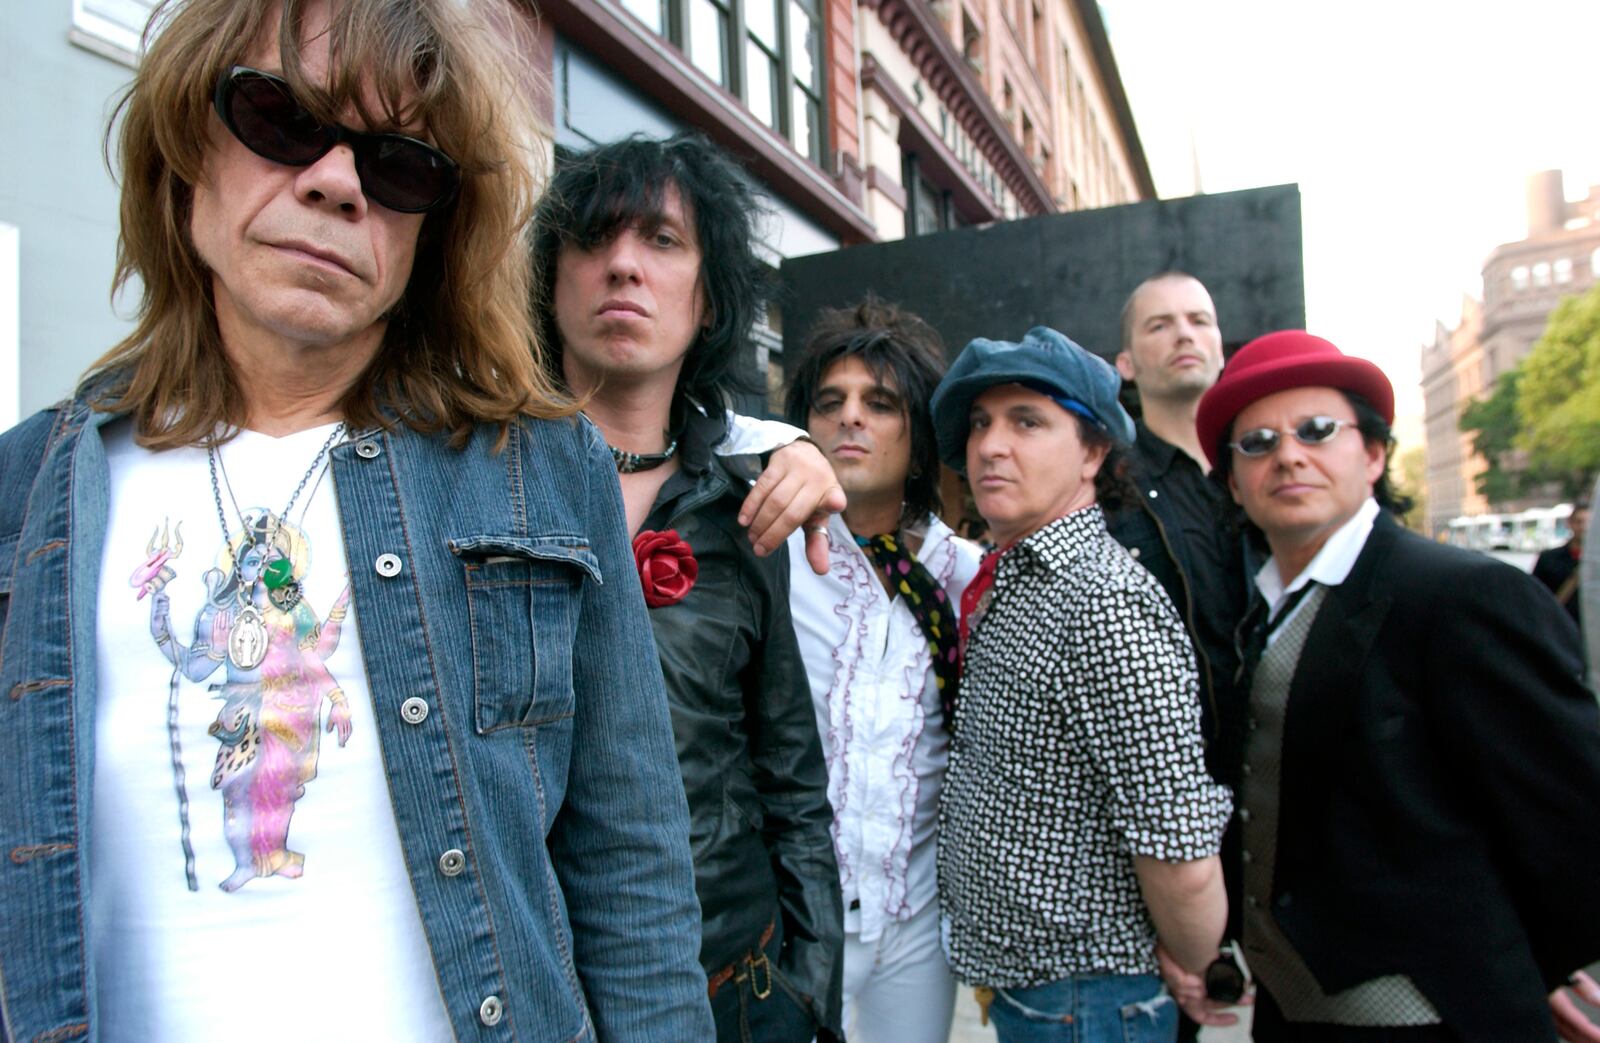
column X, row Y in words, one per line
column 1071, row 271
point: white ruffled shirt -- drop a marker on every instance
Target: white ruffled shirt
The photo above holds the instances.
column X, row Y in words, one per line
column 879, row 717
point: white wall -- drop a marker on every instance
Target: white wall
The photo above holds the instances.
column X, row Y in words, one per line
column 10, row 299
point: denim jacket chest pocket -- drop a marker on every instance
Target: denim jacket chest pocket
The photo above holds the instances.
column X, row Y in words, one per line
column 524, row 597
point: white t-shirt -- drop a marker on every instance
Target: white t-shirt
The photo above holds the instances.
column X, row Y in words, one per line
column 295, row 919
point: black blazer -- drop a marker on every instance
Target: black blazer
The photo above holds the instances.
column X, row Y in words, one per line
column 1440, row 801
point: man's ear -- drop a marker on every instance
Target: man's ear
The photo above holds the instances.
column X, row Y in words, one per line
column 1094, row 458
column 1125, row 365
column 1377, row 460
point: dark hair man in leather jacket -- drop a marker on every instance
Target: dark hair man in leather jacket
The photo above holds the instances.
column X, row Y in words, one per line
column 652, row 283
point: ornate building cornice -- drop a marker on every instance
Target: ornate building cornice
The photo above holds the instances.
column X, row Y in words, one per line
column 919, row 34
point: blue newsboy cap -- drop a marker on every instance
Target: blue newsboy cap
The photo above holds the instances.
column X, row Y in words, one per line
column 1044, row 361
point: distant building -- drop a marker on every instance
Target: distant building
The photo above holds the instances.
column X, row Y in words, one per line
column 1522, row 283
column 863, row 120
column 1453, row 375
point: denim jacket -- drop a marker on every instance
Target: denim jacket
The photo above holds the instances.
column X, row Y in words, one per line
column 516, row 615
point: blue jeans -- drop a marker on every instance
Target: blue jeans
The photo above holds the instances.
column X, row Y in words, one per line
column 759, row 1004
column 1087, row 1008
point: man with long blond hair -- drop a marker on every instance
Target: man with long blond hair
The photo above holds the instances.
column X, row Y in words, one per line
column 230, row 812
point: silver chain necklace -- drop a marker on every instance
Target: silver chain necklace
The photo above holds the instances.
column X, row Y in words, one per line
column 247, row 635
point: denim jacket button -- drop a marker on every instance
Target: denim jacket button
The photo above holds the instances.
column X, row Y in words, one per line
column 388, row 565
column 367, row 449
column 451, row 863
column 490, row 1010
column 414, row 710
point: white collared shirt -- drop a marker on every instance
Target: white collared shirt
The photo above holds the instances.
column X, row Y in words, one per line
column 748, row 436
column 879, row 716
column 1330, row 567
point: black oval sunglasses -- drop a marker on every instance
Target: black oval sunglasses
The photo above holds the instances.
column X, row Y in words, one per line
column 396, row 171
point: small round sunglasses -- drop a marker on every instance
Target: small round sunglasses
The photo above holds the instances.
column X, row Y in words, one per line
column 396, row 171
column 1313, row 430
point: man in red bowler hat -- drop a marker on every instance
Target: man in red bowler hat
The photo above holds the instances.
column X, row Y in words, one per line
column 1422, row 758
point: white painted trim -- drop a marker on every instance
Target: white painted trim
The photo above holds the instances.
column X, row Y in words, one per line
column 110, row 37
column 101, row 46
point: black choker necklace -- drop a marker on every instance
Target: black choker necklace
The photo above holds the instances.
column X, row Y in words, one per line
column 627, row 462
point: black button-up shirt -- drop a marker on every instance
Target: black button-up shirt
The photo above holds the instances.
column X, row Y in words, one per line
column 1178, row 534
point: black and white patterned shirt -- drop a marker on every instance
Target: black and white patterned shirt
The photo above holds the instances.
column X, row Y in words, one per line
column 1077, row 747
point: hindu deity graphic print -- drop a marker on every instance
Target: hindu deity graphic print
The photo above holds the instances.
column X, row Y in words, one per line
column 264, row 650
column 241, row 821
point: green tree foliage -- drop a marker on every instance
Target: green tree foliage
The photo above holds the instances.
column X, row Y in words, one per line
column 1410, row 475
column 1541, row 423
column 1494, row 425
column 1558, row 397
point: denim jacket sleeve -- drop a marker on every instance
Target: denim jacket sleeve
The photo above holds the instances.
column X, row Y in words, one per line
column 620, row 844
column 791, row 780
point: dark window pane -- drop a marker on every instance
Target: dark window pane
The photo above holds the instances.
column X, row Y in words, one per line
column 929, row 205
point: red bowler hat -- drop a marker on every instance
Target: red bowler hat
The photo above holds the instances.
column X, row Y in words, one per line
column 1280, row 361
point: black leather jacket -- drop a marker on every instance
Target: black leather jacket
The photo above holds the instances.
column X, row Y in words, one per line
column 746, row 733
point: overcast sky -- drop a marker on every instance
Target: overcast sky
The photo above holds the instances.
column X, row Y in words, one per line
column 1410, row 125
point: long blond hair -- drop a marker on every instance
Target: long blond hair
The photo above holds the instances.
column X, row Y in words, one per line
column 461, row 346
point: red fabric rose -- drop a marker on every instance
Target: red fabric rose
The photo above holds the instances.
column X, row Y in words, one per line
column 667, row 569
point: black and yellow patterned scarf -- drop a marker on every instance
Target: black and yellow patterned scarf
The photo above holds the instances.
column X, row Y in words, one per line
column 907, row 577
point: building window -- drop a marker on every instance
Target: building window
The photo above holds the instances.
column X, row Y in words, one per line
column 763, row 65
column 1594, row 263
column 805, row 65
column 653, row 13
column 1541, row 273
column 1563, row 270
column 928, row 208
column 1519, row 277
column 767, row 52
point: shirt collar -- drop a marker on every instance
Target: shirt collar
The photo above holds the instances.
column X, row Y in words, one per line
column 842, row 542
column 1057, row 544
column 1332, row 564
column 1156, row 452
